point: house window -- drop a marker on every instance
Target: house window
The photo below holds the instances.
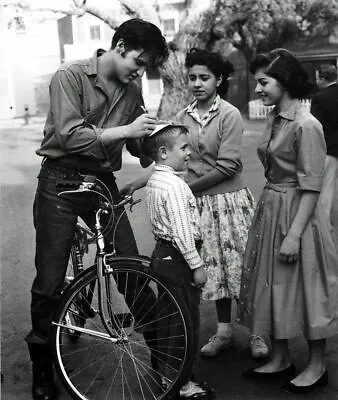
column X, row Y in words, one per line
column 95, row 32
column 169, row 26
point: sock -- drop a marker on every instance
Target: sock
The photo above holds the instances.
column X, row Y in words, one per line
column 224, row 329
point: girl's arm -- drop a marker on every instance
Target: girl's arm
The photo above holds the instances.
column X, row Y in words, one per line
column 310, row 145
column 210, row 179
column 290, row 247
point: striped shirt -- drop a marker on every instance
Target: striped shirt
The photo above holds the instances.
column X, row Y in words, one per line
column 173, row 213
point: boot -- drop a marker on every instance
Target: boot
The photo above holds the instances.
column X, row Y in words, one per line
column 43, row 372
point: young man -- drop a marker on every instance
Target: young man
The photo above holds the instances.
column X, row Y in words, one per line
column 175, row 224
column 324, row 106
column 95, row 109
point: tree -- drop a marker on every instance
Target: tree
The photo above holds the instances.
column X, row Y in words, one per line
column 250, row 26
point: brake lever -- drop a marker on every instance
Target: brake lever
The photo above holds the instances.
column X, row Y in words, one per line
column 133, row 203
column 84, row 187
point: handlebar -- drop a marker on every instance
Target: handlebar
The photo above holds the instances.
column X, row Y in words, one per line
column 91, row 184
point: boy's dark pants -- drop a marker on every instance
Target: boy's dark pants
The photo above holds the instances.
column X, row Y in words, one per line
column 168, row 262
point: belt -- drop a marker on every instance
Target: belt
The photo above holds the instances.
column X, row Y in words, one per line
column 57, row 166
column 280, row 187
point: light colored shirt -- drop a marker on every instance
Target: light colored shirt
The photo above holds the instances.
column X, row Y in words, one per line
column 292, row 148
column 173, row 213
column 215, row 142
column 81, row 109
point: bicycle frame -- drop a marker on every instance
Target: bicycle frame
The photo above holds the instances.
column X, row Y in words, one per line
column 102, row 267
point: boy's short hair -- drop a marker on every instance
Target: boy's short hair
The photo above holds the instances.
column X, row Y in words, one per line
column 327, row 72
column 163, row 136
column 138, row 34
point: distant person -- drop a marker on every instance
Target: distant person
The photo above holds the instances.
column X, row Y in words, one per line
column 324, row 106
column 176, row 227
column 225, row 204
column 95, row 109
column 289, row 285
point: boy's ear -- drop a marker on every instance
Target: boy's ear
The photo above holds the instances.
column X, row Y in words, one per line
column 162, row 152
column 219, row 80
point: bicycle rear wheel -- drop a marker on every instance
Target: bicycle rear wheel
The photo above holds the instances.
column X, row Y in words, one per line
column 150, row 355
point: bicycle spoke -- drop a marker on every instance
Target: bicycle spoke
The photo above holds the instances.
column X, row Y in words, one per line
column 150, row 344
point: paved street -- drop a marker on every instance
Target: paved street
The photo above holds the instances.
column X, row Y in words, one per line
column 18, row 170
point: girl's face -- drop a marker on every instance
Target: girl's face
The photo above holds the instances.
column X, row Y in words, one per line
column 203, row 83
column 269, row 89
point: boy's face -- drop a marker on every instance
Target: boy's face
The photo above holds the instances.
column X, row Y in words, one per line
column 130, row 64
column 178, row 156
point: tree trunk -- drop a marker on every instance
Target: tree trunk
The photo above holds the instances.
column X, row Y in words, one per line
column 175, row 94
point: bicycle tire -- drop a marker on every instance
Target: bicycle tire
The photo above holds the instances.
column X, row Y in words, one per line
column 95, row 368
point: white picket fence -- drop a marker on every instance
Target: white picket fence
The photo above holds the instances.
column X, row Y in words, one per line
column 258, row 111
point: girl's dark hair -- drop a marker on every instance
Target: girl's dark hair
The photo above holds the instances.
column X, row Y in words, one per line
column 283, row 66
column 139, row 34
column 214, row 62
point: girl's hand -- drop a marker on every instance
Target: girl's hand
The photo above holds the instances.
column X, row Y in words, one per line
column 289, row 251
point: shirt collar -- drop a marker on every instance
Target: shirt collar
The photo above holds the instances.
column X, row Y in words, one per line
column 92, row 67
column 289, row 112
column 214, row 106
column 166, row 168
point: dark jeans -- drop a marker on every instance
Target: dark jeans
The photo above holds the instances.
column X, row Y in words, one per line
column 55, row 220
column 170, row 264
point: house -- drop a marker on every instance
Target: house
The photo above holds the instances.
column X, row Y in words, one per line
column 32, row 52
column 36, row 44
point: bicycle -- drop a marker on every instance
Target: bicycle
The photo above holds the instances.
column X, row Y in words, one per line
column 121, row 332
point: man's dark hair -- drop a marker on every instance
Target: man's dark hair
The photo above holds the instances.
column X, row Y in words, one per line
column 215, row 63
column 165, row 137
column 327, row 72
column 138, row 34
column 283, row 66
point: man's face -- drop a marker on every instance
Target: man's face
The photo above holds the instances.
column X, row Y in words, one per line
column 321, row 83
column 130, row 64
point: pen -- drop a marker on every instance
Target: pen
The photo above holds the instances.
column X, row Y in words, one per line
column 144, row 109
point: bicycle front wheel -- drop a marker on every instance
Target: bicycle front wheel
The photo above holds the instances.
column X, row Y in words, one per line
column 149, row 355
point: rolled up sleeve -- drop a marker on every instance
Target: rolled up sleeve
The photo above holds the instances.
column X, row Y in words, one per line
column 229, row 156
column 74, row 134
column 311, row 156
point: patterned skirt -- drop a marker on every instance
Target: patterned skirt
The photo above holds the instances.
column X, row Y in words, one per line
column 225, row 221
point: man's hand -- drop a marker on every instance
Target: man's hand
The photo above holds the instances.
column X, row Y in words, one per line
column 128, row 189
column 289, row 251
column 200, row 277
column 142, row 125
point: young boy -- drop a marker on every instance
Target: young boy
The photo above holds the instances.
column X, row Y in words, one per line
column 175, row 225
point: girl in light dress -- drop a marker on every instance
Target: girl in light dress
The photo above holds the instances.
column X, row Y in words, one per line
column 289, row 283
